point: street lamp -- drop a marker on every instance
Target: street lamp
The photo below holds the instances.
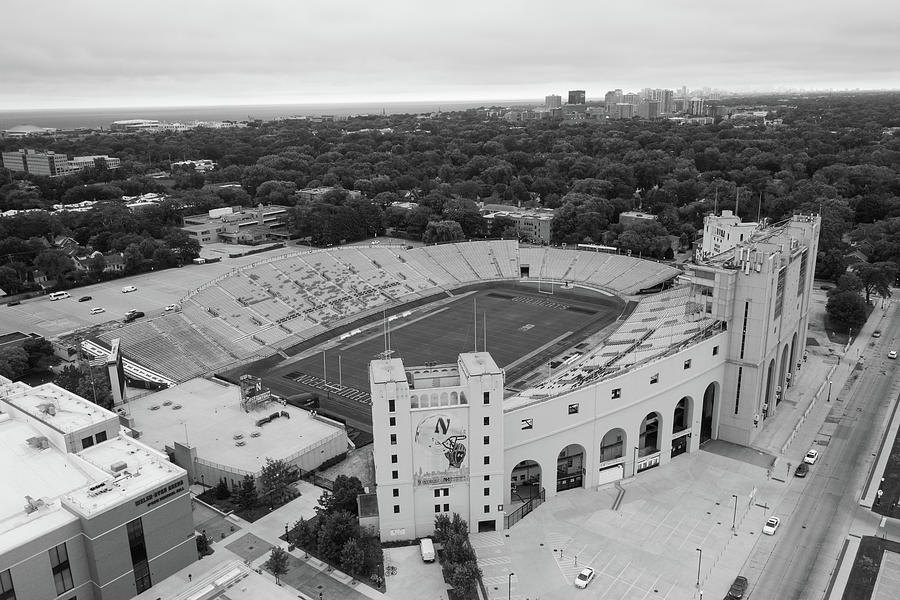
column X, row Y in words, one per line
column 734, row 517
column 509, row 586
column 634, row 463
column 699, row 562
column 829, row 391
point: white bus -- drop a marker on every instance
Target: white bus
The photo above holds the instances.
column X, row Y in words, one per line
column 59, row 295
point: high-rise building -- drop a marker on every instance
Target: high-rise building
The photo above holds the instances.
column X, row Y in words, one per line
column 553, row 101
column 648, row 109
column 697, row 107
column 50, row 164
column 666, row 101
column 576, row 97
column 632, row 99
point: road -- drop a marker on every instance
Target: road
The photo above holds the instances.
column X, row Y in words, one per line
column 817, row 511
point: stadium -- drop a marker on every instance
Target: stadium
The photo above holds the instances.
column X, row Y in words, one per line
column 610, row 364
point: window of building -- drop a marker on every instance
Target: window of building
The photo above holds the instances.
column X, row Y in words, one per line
column 62, row 574
column 573, row 409
column 487, row 491
column 7, row 591
column 139, row 555
column 527, row 423
column 394, row 458
column 737, row 392
column 396, row 492
column 487, row 508
column 487, row 460
column 687, row 364
column 654, row 378
column 392, row 421
column 446, row 492
column 395, row 474
column 487, row 421
column 487, row 477
column 487, row 440
column 715, row 350
column 437, row 492
column 393, row 439
column 487, row 397
column 446, row 508
column 100, row 437
column 391, row 406
column 437, row 508
column 616, row 393
column 87, row 442
column 396, row 509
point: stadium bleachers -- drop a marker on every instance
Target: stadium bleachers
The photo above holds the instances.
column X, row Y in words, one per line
column 285, row 299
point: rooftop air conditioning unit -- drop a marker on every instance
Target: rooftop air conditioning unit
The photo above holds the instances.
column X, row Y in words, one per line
column 32, row 504
column 40, row 442
column 119, row 465
column 49, row 408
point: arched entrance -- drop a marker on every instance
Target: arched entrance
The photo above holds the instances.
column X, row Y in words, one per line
column 681, row 425
column 707, row 417
column 770, row 384
column 570, row 468
column 525, row 481
column 648, row 441
column 782, row 375
column 794, row 365
column 612, row 455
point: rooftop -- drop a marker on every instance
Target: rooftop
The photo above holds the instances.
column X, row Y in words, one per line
column 386, row 370
column 57, row 407
column 208, row 415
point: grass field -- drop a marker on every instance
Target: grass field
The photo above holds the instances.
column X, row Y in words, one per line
column 523, row 329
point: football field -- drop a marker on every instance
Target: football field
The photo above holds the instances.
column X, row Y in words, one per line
column 519, row 326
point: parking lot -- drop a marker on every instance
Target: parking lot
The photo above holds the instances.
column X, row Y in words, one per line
column 649, row 547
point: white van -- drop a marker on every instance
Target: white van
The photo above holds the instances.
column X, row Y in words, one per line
column 426, row 547
column 59, row 295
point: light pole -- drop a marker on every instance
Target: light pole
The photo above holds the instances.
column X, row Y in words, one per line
column 634, row 463
column 829, row 391
column 509, row 586
column 699, row 562
column 734, row 517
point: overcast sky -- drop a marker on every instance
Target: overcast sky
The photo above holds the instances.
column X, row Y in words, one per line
column 101, row 53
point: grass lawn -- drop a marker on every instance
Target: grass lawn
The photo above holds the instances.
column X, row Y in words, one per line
column 887, row 505
column 229, row 505
column 866, row 566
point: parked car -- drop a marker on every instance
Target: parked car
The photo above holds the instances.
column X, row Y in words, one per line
column 584, row 578
column 13, row 303
column 876, row 333
column 85, row 298
column 801, row 470
column 128, row 288
column 426, row 549
column 131, row 315
column 892, row 354
column 97, row 310
column 811, row 457
column 738, row 587
column 771, row 526
column 172, row 307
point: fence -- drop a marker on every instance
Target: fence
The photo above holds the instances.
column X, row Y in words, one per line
column 517, row 515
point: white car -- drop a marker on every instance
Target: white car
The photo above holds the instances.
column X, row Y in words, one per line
column 584, row 578
column 771, row 526
column 171, row 307
column 811, row 457
column 892, row 354
column 97, row 310
column 128, row 288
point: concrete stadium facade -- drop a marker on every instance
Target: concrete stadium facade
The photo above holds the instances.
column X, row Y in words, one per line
column 739, row 338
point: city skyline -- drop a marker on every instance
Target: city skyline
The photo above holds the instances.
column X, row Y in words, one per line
column 103, row 54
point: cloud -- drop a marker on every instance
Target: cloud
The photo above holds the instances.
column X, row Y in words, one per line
column 99, row 52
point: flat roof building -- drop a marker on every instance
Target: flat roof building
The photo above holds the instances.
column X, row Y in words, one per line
column 86, row 512
column 50, row 164
column 205, row 428
column 237, row 225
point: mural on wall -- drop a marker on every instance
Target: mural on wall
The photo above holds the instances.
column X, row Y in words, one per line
column 440, row 450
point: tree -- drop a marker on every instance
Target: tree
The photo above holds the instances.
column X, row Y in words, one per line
column 353, row 557
column 277, row 564
column 464, row 577
column 247, row 498
column 54, row 264
column 441, row 527
column 40, row 354
column 91, row 383
column 442, row 231
column 336, row 529
column 13, row 362
column 342, row 496
column 847, row 309
column 305, row 535
column 500, row 226
column 876, row 278
column 222, row 491
column 9, row 280
column 275, row 480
